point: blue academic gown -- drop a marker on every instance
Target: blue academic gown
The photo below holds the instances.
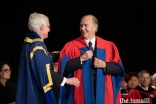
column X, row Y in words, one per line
column 34, row 85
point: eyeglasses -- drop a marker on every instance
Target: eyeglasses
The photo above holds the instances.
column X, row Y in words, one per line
column 49, row 27
column 7, row 70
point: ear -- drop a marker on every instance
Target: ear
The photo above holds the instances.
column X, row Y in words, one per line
column 95, row 27
column 41, row 27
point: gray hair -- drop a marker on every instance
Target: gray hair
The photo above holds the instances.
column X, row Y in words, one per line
column 153, row 76
column 36, row 20
column 141, row 72
column 95, row 20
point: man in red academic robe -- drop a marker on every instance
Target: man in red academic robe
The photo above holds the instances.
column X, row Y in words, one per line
column 95, row 62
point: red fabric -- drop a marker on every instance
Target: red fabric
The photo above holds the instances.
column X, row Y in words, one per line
column 118, row 98
column 78, row 91
column 112, row 56
column 136, row 94
column 108, row 90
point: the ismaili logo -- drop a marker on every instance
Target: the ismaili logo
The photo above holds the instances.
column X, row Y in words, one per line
column 145, row 100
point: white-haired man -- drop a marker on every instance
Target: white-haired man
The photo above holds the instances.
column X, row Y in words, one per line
column 36, row 75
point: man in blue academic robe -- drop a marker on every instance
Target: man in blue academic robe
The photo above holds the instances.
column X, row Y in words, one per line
column 36, row 75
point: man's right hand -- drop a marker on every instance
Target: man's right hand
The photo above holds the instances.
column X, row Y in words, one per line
column 86, row 56
column 73, row 81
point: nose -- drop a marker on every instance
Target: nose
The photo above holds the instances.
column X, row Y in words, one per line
column 49, row 29
column 83, row 27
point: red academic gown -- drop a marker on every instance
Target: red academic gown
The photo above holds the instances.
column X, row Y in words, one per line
column 139, row 94
column 107, row 86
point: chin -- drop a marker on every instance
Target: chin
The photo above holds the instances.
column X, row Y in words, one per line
column 85, row 35
column 7, row 78
column 46, row 37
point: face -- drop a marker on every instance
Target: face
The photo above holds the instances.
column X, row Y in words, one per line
column 153, row 82
column 55, row 66
column 5, row 74
column 87, row 27
column 45, row 30
column 133, row 82
column 124, row 84
column 144, row 79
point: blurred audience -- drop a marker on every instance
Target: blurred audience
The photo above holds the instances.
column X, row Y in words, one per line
column 7, row 87
column 131, row 80
column 55, row 57
column 123, row 84
column 143, row 92
column 153, row 81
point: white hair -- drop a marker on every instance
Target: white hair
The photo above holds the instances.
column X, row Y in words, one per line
column 153, row 76
column 36, row 20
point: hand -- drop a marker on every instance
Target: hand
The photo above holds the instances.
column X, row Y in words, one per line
column 73, row 81
column 86, row 56
column 99, row 63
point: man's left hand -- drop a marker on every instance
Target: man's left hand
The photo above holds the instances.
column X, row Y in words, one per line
column 98, row 63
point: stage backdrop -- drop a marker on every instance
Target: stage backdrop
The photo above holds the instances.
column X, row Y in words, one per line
column 128, row 23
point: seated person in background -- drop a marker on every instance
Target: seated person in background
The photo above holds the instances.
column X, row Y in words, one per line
column 132, row 81
column 153, row 81
column 7, row 87
column 55, row 56
column 123, row 84
column 123, row 87
column 143, row 92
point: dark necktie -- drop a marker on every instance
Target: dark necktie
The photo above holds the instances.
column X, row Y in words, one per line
column 90, row 46
column 93, row 71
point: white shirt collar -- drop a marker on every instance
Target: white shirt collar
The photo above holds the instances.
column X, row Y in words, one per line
column 93, row 42
column 42, row 39
column 144, row 88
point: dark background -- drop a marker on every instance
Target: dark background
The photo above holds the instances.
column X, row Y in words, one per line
column 128, row 23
